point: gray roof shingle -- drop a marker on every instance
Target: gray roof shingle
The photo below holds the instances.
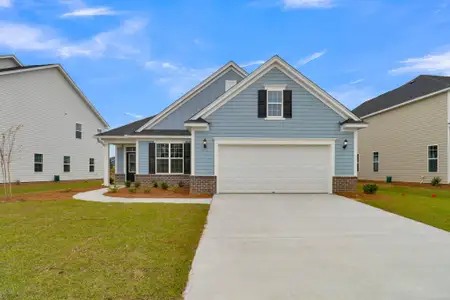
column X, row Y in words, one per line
column 127, row 129
column 418, row 87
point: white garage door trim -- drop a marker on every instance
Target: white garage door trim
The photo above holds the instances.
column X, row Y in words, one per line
column 267, row 141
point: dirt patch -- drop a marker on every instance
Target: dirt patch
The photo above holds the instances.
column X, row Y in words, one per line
column 156, row 193
column 406, row 184
column 362, row 196
column 48, row 195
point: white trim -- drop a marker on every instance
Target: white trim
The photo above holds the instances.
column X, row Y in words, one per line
column 204, row 126
column 125, row 161
column 13, row 57
column 428, row 159
column 229, row 84
column 106, row 164
column 353, row 127
column 66, row 75
column 169, row 158
column 137, row 158
column 190, row 94
column 193, row 152
column 275, row 87
column 115, row 159
column 355, row 152
column 274, row 119
column 269, row 141
column 405, row 103
column 299, row 78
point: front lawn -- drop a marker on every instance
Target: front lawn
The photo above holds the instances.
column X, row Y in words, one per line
column 416, row 203
column 51, row 186
column 81, row 250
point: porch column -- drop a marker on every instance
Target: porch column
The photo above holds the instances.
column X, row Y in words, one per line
column 106, row 165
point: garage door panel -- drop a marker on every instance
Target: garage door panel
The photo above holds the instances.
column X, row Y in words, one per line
column 274, row 168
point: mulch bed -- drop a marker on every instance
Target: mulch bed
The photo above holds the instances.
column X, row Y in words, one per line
column 48, row 195
column 181, row 192
column 362, row 196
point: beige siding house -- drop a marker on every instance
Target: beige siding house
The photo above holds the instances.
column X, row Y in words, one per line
column 408, row 133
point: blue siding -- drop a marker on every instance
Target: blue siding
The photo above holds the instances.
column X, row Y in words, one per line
column 119, row 159
column 311, row 118
column 176, row 119
column 143, row 157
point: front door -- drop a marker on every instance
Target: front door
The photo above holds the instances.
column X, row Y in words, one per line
column 131, row 166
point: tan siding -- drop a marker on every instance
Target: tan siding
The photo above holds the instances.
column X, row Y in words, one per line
column 6, row 62
column 401, row 136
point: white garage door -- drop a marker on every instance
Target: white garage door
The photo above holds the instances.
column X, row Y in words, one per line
column 274, row 169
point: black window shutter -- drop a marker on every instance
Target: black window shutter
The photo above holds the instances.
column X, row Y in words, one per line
column 287, row 104
column 262, row 103
column 151, row 158
column 187, row 158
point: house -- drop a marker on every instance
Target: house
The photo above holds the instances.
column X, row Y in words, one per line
column 408, row 133
column 271, row 131
column 58, row 123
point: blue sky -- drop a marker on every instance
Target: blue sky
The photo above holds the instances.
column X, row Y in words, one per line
column 133, row 58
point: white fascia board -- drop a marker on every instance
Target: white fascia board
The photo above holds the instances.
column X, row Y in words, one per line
column 190, row 94
column 72, row 83
column 405, row 103
column 290, row 72
column 353, row 127
column 271, row 141
column 199, row 126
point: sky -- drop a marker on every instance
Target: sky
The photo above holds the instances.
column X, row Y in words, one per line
column 133, row 58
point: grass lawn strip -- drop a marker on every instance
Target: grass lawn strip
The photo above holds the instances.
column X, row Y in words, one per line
column 51, row 186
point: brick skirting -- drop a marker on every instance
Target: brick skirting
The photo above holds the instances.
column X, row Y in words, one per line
column 119, row 179
column 203, row 185
column 344, row 184
column 148, row 179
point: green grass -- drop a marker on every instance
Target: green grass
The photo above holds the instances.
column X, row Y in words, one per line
column 50, row 186
column 81, row 250
column 417, row 204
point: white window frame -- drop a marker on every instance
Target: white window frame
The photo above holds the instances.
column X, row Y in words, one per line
column 378, row 161
column 437, row 158
column 229, row 84
column 80, row 131
column 38, row 163
column 91, row 164
column 66, row 164
column 169, row 158
column 275, row 88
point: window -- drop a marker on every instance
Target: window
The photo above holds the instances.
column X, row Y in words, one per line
column 433, row 158
column 274, row 104
column 91, row 165
column 99, row 130
column 357, row 162
column 376, row 161
column 229, row 84
column 38, row 162
column 78, row 131
column 66, row 163
column 169, row 158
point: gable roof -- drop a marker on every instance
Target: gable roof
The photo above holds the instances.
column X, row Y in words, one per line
column 194, row 91
column 64, row 73
column 13, row 57
column 290, row 71
column 126, row 129
column 420, row 87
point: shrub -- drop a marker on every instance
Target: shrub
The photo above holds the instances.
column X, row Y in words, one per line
column 174, row 188
column 148, row 190
column 18, row 182
column 181, row 184
column 164, row 185
column 370, row 188
column 137, row 184
column 111, row 180
column 113, row 189
column 132, row 190
column 436, row 181
column 127, row 183
column 155, row 184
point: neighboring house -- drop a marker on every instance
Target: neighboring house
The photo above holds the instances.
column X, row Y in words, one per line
column 408, row 133
column 59, row 123
column 271, row 131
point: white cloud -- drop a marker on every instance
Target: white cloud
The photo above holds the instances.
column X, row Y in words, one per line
column 292, row 4
column 356, row 81
column 351, row 96
column 433, row 63
column 5, row 3
column 310, row 58
column 90, row 12
column 252, row 63
column 136, row 116
column 120, row 42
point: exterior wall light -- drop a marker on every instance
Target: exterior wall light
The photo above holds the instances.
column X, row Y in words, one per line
column 204, row 143
column 345, row 144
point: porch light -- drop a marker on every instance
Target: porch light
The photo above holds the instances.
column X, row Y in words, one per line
column 345, row 144
column 204, row 143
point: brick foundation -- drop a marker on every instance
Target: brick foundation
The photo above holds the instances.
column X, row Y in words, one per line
column 203, row 185
column 344, row 184
column 148, row 179
column 119, row 179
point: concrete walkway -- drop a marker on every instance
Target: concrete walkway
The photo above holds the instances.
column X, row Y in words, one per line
column 326, row 247
column 97, row 196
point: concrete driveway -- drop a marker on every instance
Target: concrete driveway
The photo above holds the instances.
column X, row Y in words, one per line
column 316, row 247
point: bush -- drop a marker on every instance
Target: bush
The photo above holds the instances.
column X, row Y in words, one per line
column 137, row 184
column 127, row 183
column 370, row 188
column 18, row 182
column 164, row 185
column 180, row 184
column 436, row 181
column 148, row 190
column 111, row 180
column 113, row 189
column 132, row 190
column 155, row 184
column 174, row 188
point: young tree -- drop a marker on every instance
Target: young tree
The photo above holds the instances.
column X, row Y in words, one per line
column 8, row 149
